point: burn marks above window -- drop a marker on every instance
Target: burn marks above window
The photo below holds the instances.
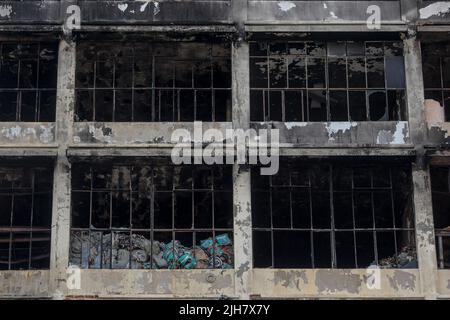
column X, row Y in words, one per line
column 151, row 217
column 333, row 216
column 28, row 81
column 25, row 218
column 327, row 81
column 156, row 82
column 440, row 187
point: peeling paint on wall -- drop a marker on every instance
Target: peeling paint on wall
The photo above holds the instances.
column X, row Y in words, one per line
column 402, row 280
column 333, row 128
column 397, row 137
column 122, row 6
column 291, row 125
column 286, row 5
column 5, row 11
column 331, row 281
column 435, row 9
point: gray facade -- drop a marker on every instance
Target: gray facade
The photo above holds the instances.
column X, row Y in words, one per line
column 414, row 134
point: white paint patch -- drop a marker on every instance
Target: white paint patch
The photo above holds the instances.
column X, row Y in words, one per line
column 122, row 6
column 286, row 5
column 435, row 9
column 325, row 6
column 291, row 125
column 46, row 135
column 156, row 8
column 333, row 15
column 98, row 135
column 401, row 131
column 144, row 5
column 396, row 138
column 333, row 128
column 12, row 133
column 5, row 11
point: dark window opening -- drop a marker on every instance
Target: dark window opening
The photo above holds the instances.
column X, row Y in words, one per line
column 25, row 218
column 333, row 216
column 162, row 82
column 441, row 207
column 28, row 81
column 436, row 74
column 151, row 217
column 327, row 81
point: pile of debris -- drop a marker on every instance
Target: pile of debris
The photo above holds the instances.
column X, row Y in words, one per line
column 138, row 252
column 405, row 259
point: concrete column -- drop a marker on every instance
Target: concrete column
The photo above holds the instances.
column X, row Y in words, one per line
column 241, row 173
column 65, row 103
column 425, row 238
column 426, row 250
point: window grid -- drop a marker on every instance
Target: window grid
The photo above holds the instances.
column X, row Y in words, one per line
column 196, row 230
column 28, row 81
column 25, row 222
column 301, row 96
column 396, row 231
column 165, row 91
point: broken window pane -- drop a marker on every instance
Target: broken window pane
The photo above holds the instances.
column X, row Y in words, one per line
column 277, row 72
column 317, row 105
column 377, row 105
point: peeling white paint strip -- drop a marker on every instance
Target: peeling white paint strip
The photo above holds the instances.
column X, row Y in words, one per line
column 435, row 9
column 5, row 11
column 334, row 127
column 156, row 8
column 122, row 6
column 290, row 125
column 333, row 15
column 399, row 135
column 144, row 5
column 286, row 5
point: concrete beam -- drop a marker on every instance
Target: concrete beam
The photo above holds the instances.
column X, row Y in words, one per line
column 65, row 103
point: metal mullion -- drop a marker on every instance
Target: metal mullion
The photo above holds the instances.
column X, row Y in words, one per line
column 307, row 86
column 10, row 231
column 271, row 222
column 153, row 88
column 37, row 92
column 327, row 86
column 152, row 217
column 441, row 252
column 132, row 88
column 386, row 110
column 114, row 91
column 347, row 85
column 374, row 233
column 31, row 222
column 290, row 200
column 333, row 229
column 18, row 94
column 94, row 92
column 90, row 209
column 393, row 211
column 355, row 251
column 311, row 231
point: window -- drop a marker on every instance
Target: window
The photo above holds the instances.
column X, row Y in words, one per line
column 151, row 217
column 154, row 82
column 327, row 81
column 28, row 81
column 333, row 216
column 436, row 74
column 441, row 208
column 25, row 218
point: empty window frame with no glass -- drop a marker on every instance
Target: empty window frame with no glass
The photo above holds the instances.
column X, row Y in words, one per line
column 436, row 74
column 327, row 81
column 151, row 217
column 333, row 216
column 25, row 217
column 440, row 187
column 28, row 74
column 171, row 81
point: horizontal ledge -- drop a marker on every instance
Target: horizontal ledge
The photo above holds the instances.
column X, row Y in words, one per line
column 14, row 152
column 321, row 27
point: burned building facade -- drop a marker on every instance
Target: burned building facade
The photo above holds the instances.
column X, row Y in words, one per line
column 93, row 205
